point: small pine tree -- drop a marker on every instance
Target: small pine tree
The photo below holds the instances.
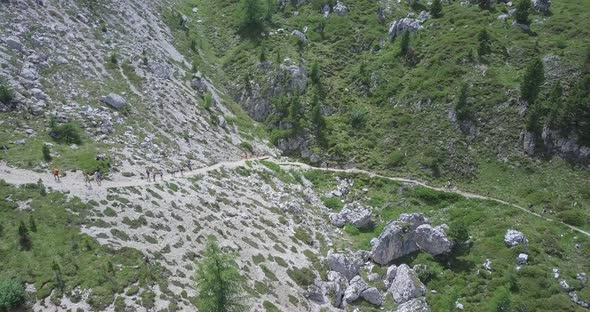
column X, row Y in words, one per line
column 484, row 43
column 208, row 101
column 485, row 4
column 219, row 282
column 534, row 76
column 316, row 114
column 405, row 44
column 6, row 94
column 270, row 7
column 461, row 106
column 24, row 239
column 251, row 13
column 46, row 153
column 1, row 230
column 262, row 54
column 113, row 59
column 436, row 9
column 32, row 224
column 315, row 73
column 295, row 111
column 522, row 12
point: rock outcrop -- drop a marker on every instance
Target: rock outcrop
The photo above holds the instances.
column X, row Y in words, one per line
column 347, row 265
column 403, row 25
column 402, row 237
column 353, row 214
column 414, row 305
column 355, row 288
column 514, row 237
column 406, row 285
column 433, row 240
column 115, row 101
column 541, row 5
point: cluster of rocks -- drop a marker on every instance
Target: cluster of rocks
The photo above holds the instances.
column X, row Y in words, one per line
column 343, row 188
column 354, row 214
column 339, row 9
column 408, row 234
column 409, row 24
column 572, row 291
column 345, row 286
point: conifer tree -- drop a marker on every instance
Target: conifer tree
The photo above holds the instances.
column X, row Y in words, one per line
column 405, row 43
column 436, row 9
column 484, row 43
column 522, row 12
column 251, row 13
column 533, row 77
column 219, row 282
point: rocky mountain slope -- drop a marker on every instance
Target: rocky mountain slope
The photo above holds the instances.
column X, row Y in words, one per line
column 420, row 202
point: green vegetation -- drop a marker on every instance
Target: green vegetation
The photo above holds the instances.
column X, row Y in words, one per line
column 302, row 276
column 478, row 228
column 522, row 12
column 6, row 94
column 436, row 9
column 218, row 281
column 534, row 76
column 58, row 257
column 67, row 133
column 46, row 153
column 12, row 294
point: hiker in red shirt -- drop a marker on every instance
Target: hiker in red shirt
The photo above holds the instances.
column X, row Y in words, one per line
column 56, row 174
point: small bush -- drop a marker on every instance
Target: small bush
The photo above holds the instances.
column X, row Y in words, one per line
column 333, row 203
column 247, row 147
column 303, row 276
column 6, row 94
column 351, row 230
column 12, row 294
column 208, row 101
column 395, row 159
column 68, row 133
column 458, row 231
column 46, row 153
column 303, row 236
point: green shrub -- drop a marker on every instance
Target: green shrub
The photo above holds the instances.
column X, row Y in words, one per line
column 436, row 9
column 303, row 235
column 6, row 94
column 68, row 133
column 333, row 203
column 395, row 159
column 458, row 231
column 208, row 101
column 302, row 276
column 12, row 294
column 269, row 307
column 533, row 78
column 522, row 11
column 46, row 153
column 247, row 147
column 573, row 217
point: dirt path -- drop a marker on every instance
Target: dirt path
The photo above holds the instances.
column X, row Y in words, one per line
column 440, row 189
column 73, row 182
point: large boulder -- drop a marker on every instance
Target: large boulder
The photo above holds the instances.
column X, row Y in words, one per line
column 390, row 276
column 355, row 288
column 115, row 101
column 336, row 287
column 13, row 43
column 348, row 265
column 397, row 239
column 414, row 305
column 514, row 237
column 354, row 214
column 406, row 285
column 433, row 240
column 301, row 36
column 541, row 5
column 340, row 9
column 403, row 25
column 372, row 296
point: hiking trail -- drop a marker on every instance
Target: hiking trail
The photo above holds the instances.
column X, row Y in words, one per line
column 73, row 182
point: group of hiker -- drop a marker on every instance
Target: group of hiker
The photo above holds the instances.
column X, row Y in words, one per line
column 88, row 177
column 152, row 173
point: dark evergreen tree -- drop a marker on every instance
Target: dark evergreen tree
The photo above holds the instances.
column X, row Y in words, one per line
column 484, row 47
column 251, row 14
column 405, row 44
column 436, row 9
column 461, row 106
column 219, row 282
column 32, row 224
column 533, row 78
column 522, row 12
column 24, row 239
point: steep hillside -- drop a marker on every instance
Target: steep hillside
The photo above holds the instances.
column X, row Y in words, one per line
column 338, row 155
column 331, row 83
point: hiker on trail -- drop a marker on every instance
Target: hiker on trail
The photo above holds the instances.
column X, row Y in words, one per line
column 147, row 173
column 97, row 177
column 56, row 175
column 161, row 174
column 190, row 165
column 87, row 179
column 182, row 171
